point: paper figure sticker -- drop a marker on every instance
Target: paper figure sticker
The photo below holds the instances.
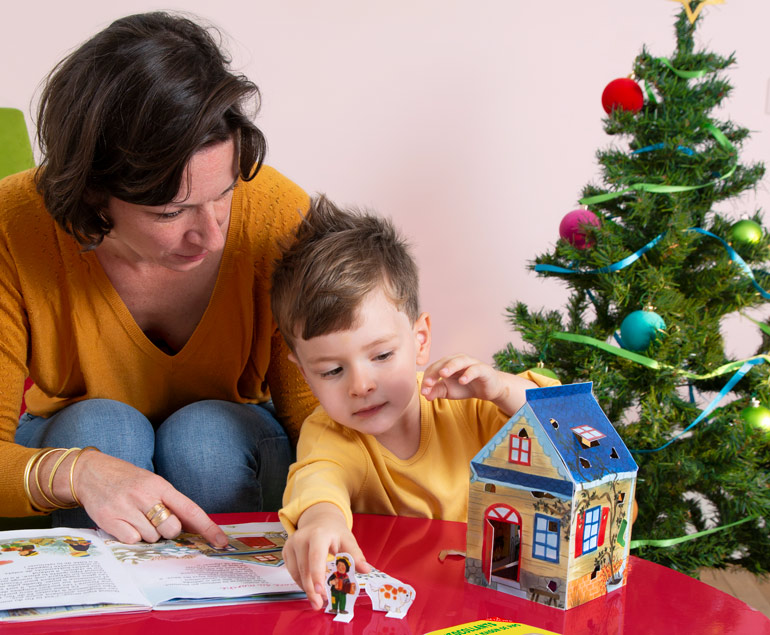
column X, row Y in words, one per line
column 390, row 595
column 341, row 586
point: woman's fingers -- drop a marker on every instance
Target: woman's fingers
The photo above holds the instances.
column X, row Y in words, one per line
column 119, row 495
column 192, row 518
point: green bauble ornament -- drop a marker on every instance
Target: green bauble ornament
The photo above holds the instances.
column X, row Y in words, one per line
column 545, row 372
column 639, row 328
column 746, row 232
column 758, row 417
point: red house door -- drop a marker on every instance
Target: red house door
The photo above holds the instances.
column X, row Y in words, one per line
column 501, row 548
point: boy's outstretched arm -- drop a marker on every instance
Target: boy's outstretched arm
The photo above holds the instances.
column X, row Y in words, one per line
column 461, row 377
column 321, row 530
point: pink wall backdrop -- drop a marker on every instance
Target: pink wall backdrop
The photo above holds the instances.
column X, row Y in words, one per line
column 472, row 123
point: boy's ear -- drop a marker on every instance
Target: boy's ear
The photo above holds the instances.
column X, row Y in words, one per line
column 293, row 359
column 422, row 338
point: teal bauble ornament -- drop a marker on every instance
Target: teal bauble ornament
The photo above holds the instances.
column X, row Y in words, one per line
column 639, row 329
column 758, row 417
column 746, row 232
column 545, row 372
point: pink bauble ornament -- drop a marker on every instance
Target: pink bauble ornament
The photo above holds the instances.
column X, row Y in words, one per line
column 623, row 93
column 574, row 225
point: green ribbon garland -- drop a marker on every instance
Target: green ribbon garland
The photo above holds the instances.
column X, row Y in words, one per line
column 650, row 95
column 651, row 363
column 655, row 188
column 682, row 74
column 670, row 542
column 762, row 326
column 646, row 361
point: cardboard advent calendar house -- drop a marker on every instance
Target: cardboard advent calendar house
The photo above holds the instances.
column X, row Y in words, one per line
column 549, row 509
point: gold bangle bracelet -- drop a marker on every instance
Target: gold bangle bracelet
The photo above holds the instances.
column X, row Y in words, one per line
column 52, row 475
column 72, row 472
column 37, row 475
column 27, row 470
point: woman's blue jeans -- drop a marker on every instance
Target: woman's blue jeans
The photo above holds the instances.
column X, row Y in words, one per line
column 227, row 457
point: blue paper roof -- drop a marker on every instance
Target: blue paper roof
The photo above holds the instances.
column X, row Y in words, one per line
column 574, row 405
column 570, row 406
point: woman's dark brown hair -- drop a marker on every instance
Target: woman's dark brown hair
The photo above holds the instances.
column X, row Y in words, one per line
column 123, row 114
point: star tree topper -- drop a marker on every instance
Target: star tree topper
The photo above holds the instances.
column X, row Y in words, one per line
column 693, row 15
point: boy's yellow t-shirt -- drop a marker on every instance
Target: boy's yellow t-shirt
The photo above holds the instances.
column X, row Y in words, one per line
column 353, row 471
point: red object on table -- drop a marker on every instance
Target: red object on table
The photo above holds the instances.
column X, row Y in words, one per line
column 27, row 384
column 655, row 600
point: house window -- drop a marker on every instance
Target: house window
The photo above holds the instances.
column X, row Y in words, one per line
column 588, row 436
column 546, row 539
column 489, row 487
column 593, row 518
column 552, row 586
column 519, row 450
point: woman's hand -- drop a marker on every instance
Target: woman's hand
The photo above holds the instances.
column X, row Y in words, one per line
column 117, row 496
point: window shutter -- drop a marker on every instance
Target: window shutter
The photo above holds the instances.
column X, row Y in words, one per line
column 579, row 535
column 603, row 525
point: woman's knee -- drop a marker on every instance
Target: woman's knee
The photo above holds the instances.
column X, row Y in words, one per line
column 236, row 454
column 115, row 428
column 218, row 425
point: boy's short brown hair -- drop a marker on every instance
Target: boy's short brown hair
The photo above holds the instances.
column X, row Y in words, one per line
column 335, row 259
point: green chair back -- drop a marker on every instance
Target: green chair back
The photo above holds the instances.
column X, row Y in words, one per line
column 15, row 148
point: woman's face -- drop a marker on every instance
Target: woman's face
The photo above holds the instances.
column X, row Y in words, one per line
column 185, row 232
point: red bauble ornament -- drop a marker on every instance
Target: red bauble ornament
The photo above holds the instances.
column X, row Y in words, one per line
column 623, row 93
column 573, row 227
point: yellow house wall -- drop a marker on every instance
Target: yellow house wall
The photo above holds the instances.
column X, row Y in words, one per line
column 522, row 501
column 584, row 565
column 541, row 464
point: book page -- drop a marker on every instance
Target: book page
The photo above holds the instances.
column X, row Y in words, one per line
column 175, row 573
column 60, row 567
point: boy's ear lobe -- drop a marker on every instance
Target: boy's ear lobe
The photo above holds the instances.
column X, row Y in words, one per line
column 422, row 337
column 293, row 359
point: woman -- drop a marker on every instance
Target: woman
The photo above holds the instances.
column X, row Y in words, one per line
column 134, row 275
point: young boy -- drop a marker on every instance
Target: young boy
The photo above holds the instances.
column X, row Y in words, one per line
column 345, row 298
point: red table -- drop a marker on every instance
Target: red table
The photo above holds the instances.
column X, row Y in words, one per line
column 656, row 600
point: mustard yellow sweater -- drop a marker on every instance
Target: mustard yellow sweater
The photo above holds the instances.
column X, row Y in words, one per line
column 63, row 324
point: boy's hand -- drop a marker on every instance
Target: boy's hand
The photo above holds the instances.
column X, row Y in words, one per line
column 461, row 377
column 321, row 530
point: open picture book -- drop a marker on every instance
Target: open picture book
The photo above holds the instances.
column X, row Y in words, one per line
column 61, row 572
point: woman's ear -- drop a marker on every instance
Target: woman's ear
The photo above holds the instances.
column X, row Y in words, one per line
column 422, row 338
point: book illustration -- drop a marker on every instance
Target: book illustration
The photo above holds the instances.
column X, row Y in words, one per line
column 63, row 572
column 265, row 558
column 145, row 551
column 26, row 547
column 341, row 586
column 264, row 549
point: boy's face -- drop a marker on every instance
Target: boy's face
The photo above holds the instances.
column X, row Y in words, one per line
column 364, row 377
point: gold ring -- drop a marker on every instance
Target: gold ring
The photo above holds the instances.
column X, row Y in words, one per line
column 157, row 514
column 160, row 517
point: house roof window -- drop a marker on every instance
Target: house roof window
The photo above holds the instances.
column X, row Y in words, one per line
column 588, row 436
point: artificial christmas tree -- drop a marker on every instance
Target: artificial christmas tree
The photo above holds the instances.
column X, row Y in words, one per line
column 662, row 250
